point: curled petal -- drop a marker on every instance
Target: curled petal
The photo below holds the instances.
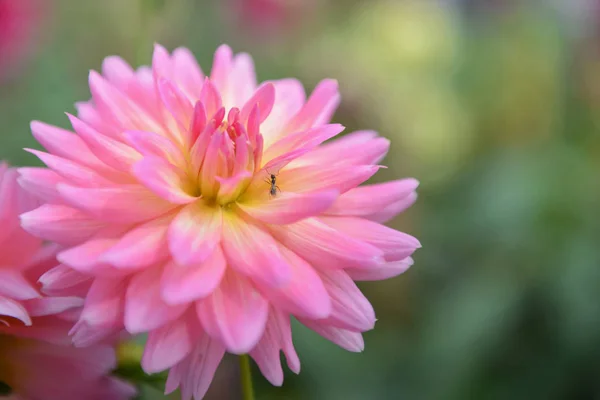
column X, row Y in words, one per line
column 380, row 272
column 62, row 279
column 263, row 99
column 14, row 285
column 14, row 309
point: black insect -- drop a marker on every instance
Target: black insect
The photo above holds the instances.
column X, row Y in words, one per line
column 272, row 180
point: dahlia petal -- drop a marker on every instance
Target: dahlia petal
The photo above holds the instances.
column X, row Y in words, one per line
column 235, row 313
column 318, row 109
column 142, row 246
column 61, row 224
column 242, row 79
column 67, row 145
column 52, row 305
column 117, row 108
column 14, row 285
column 381, row 272
column 305, row 294
column 288, row 208
column 263, row 99
column 161, row 63
column 153, row 144
column 195, row 373
column 187, row 72
column 395, row 245
column 307, row 139
column 350, row 308
column 346, row 339
column 177, row 104
column 144, row 308
column 325, row 247
column 210, row 98
column 183, row 284
column 367, row 200
column 104, row 303
column 194, row 233
column 163, row 178
column 167, row 346
column 358, row 148
column 41, row 182
column 85, row 258
column 389, row 212
column 70, row 170
column 122, row 204
column 253, row 252
column 278, row 336
column 110, row 151
column 317, row 178
column 231, row 188
column 289, row 99
column 61, row 277
column 117, row 71
column 14, row 309
column 222, row 64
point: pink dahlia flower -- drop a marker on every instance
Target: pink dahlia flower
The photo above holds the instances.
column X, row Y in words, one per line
column 18, row 21
column 37, row 358
column 208, row 211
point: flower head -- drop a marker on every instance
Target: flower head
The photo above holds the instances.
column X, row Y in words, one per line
column 37, row 359
column 208, row 211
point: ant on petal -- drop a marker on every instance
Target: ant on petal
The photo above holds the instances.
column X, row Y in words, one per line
column 272, row 181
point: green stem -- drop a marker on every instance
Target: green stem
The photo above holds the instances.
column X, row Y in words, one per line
column 246, row 377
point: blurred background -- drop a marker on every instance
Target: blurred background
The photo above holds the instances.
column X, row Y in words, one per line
column 493, row 105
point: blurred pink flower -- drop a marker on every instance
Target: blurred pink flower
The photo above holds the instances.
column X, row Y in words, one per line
column 37, row 358
column 208, row 211
column 267, row 16
column 18, row 21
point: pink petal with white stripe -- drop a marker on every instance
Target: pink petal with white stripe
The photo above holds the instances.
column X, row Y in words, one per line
column 14, row 309
column 194, row 233
column 14, row 285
